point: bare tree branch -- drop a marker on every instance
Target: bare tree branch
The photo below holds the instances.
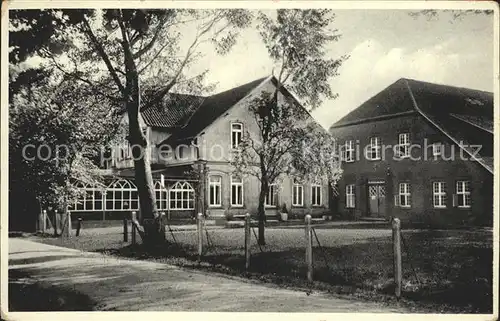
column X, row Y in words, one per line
column 153, row 59
column 74, row 75
column 104, row 56
column 151, row 43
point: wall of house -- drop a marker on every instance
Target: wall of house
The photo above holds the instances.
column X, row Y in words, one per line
column 154, row 137
column 251, row 186
column 215, row 141
column 215, row 147
column 120, row 142
column 419, row 173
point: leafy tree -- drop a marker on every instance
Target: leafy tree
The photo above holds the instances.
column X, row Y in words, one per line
column 288, row 141
column 114, row 51
column 55, row 134
column 455, row 14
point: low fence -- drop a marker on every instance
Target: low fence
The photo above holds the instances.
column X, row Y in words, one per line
column 59, row 225
column 414, row 264
column 204, row 244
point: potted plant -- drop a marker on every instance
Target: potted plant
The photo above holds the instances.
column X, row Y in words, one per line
column 284, row 212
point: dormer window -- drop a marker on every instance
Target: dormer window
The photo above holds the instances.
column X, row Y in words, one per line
column 236, row 134
column 474, row 101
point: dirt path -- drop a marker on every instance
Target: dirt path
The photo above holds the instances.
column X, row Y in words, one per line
column 117, row 284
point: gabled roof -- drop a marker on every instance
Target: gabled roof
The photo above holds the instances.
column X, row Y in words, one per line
column 190, row 113
column 211, row 108
column 464, row 115
column 392, row 100
column 171, row 111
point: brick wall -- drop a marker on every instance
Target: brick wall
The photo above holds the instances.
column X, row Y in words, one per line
column 419, row 173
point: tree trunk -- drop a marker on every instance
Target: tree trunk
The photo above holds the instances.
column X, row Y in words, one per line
column 264, row 186
column 154, row 230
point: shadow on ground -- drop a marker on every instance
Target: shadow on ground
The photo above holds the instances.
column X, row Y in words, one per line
column 452, row 273
column 444, row 271
column 26, row 294
column 41, row 259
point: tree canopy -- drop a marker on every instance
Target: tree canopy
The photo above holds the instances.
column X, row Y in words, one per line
column 297, row 42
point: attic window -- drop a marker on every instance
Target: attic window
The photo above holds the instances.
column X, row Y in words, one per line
column 474, row 101
column 236, row 134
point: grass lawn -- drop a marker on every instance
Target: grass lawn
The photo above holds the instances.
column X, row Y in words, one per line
column 443, row 271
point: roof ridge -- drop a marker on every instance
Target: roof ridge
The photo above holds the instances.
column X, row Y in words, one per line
column 188, row 126
column 380, row 92
column 194, row 112
column 226, row 92
column 242, row 85
column 461, row 118
column 444, row 85
column 417, row 108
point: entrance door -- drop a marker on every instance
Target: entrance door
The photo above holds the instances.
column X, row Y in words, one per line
column 376, row 199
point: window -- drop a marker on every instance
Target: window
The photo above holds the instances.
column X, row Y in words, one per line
column 182, row 196
column 374, row 150
column 350, row 198
column 439, row 194
column 119, row 152
column 316, row 195
column 181, row 152
column 161, row 196
column 215, row 187
column 127, row 154
column 123, row 151
column 90, row 198
column 236, row 134
column 463, row 194
column 404, row 195
column 236, row 191
column 298, row 194
column 121, row 196
column 437, row 149
column 272, row 196
column 404, row 145
column 348, row 151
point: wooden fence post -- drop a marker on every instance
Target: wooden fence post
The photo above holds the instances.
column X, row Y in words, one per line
column 66, row 230
column 44, row 221
column 134, row 232
column 309, row 256
column 396, row 242
column 39, row 225
column 199, row 227
column 78, row 226
column 248, row 237
column 61, row 221
column 70, row 227
column 56, row 223
column 125, row 230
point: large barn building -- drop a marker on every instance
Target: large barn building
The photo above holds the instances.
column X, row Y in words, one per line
column 421, row 152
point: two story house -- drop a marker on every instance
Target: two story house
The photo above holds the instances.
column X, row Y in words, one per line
column 191, row 140
column 418, row 151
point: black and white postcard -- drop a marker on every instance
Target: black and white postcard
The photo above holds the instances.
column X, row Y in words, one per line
column 297, row 159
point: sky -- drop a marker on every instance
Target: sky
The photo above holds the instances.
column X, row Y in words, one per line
column 383, row 45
